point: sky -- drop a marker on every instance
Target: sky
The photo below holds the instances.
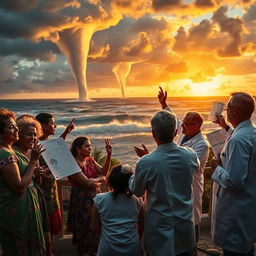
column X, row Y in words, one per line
column 122, row 48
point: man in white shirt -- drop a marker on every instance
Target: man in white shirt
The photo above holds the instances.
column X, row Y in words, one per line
column 235, row 172
column 166, row 175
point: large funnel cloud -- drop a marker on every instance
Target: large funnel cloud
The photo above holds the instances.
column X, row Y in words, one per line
column 121, row 71
column 74, row 44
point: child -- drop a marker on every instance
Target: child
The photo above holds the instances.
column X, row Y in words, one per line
column 116, row 215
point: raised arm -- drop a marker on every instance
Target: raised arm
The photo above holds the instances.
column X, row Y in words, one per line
column 220, row 120
column 69, row 128
column 104, row 170
column 11, row 171
column 162, row 97
column 141, row 151
column 234, row 174
column 80, row 179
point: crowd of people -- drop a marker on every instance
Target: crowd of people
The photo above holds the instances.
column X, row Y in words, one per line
column 154, row 210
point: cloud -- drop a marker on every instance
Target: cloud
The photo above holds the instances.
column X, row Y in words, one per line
column 225, row 86
column 234, row 27
column 204, row 3
column 18, row 5
column 132, row 40
column 200, row 78
column 165, row 4
column 146, row 33
column 44, row 50
column 178, row 67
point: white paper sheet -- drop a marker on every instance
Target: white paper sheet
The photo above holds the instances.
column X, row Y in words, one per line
column 59, row 159
column 217, row 109
column 217, row 139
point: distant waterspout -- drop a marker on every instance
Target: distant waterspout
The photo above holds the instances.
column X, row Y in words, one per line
column 121, row 71
column 74, row 44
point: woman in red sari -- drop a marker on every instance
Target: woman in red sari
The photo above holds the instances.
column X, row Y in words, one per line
column 85, row 185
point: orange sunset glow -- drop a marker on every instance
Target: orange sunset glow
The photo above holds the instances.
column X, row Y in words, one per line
column 95, row 49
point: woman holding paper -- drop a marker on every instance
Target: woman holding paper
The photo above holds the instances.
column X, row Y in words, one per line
column 85, row 185
column 21, row 226
column 49, row 185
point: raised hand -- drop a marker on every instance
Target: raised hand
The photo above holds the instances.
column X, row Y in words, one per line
column 45, row 173
column 37, row 150
column 162, row 97
column 141, row 151
column 70, row 126
column 108, row 147
column 220, row 120
column 215, row 162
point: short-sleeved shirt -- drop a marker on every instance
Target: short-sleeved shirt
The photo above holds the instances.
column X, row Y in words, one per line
column 119, row 216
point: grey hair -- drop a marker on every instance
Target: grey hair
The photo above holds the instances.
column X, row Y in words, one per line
column 244, row 102
column 164, row 125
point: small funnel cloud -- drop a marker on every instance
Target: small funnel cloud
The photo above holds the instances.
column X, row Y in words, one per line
column 121, row 71
column 74, row 44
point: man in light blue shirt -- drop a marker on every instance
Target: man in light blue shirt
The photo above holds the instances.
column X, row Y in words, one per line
column 235, row 172
column 166, row 175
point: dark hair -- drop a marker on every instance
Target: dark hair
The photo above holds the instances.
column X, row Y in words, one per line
column 5, row 114
column 78, row 142
column 118, row 180
column 44, row 118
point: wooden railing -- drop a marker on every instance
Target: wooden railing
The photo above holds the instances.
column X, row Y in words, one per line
column 64, row 187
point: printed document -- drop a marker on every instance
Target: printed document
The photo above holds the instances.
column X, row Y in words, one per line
column 217, row 109
column 217, row 139
column 59, row 159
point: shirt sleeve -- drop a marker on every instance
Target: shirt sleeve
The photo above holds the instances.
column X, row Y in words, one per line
column 138, row 182
column 233, row 176
column 202, row 151
column 6, row 158
column 179, row 122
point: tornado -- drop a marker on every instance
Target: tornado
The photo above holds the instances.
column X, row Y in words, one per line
column 121, row 71
column 74, row 43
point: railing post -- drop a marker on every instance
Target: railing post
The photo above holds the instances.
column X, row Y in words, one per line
column 62, row 183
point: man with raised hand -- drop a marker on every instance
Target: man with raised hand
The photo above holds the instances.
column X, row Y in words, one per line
column 235, row 172
column 166, row 175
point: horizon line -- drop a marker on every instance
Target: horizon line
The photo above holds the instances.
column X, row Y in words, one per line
column 135, row 97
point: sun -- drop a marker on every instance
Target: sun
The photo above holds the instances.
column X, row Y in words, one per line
column 208, row 88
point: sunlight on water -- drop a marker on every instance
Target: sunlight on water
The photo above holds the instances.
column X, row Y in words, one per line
column 125, row 122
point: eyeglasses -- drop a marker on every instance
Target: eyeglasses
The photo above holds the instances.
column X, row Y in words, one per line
column 228, row 106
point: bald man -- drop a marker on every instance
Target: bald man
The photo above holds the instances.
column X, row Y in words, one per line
column 235, row 172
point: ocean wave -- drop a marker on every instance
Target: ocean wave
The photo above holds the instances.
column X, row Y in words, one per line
column 77, row 101
column 79, row 110
column 122, row 118
column 112, row 128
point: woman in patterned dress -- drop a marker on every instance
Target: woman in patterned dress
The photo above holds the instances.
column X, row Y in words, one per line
column 85, row 185
column 29, row 131
column 21, row 226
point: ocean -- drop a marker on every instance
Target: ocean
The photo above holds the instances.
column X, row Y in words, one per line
column 124, row 121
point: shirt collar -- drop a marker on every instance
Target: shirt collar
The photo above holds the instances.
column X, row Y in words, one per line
column 245, row 123
column 167, row 145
